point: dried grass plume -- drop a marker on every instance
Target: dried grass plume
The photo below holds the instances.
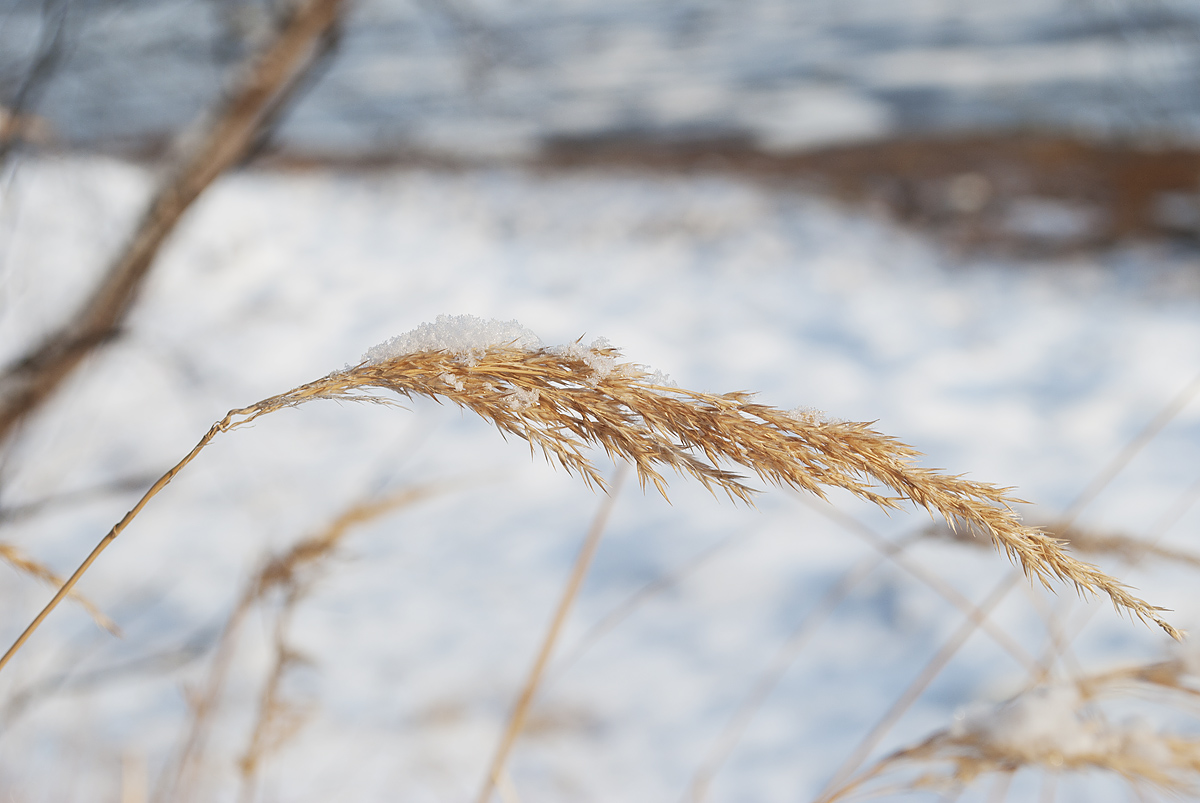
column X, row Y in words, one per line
column 568, row 400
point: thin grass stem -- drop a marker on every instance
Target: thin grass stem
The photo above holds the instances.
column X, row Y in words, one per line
column 117, row 529
column 516, row 720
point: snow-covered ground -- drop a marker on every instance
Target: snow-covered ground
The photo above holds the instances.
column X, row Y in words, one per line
column 496, row 78
column 1033, row 375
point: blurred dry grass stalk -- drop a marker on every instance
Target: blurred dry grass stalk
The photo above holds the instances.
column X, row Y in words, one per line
column 292, row 574
column 497, row 776
column 22, row 563
column 1059, row 727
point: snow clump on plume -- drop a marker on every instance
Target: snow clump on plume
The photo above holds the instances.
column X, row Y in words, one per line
column 462, row 335
column 469, row 336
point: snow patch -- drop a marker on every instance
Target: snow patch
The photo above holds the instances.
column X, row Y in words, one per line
column 1052, row 725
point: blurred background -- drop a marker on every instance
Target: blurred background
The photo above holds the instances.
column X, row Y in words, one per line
column 973, row 223
column 1055, row 100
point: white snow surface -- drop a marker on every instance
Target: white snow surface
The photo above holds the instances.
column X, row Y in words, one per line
column 417, row 636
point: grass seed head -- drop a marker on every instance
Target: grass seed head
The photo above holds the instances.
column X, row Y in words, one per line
column 567, row 401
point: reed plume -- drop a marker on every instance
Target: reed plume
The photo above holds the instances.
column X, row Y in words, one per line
column 564, row 401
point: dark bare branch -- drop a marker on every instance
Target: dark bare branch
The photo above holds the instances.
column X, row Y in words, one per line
column 15, row 125
column 232, row 132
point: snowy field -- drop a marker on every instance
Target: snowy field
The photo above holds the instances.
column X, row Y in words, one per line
column 498, row 78
column 420, row 632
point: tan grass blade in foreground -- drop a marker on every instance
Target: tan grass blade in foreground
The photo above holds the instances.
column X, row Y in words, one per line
column 568, row 399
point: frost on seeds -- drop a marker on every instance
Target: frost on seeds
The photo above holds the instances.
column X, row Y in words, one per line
column 462, row 335
column 601, row 364
column 657, row 377
column 808, row 415
column 521, row 398
column 452, row 380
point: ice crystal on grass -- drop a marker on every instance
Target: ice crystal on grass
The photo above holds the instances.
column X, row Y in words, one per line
column 810, row 415
column 452, row 380
column 598, row 356
column 520, row 398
